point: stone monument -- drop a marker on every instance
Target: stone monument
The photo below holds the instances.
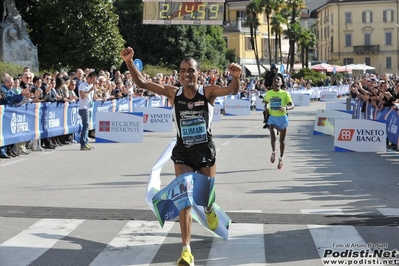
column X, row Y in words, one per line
column 15, row 44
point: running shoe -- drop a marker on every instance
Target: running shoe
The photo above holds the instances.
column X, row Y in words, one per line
column 273, row 157
column 186, row 259
column 280, row 163
column 212, row 219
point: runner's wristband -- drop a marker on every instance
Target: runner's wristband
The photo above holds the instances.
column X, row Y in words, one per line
column 237, row 77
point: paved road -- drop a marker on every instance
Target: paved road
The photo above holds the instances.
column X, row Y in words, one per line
column 69, row 207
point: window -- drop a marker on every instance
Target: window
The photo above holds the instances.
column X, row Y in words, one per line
column 367, row 39
column 388, row 15
column 348, row 61
column 367, row 16
column 241, row 15
column 248, row 45
column 388, row 38
column 265, row 47
column 348, row 17
column 332, row 44
column 348, row 40
column 367, row 61
column 389, row 62
column 332, row 19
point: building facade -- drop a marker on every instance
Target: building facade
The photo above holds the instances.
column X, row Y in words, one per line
column 359, row 32
column 237, row 36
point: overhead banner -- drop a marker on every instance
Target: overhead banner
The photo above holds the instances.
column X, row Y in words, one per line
column 119, row 127
column 325, row 120
column 359, row 136
column 237, row 107
column 156, row 119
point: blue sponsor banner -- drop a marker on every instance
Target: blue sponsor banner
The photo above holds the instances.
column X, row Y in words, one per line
column 392, row 127
column 19, row 124
column 139, row 101
column 53, row 119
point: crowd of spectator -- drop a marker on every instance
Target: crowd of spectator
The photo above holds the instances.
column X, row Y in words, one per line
column 380, row 91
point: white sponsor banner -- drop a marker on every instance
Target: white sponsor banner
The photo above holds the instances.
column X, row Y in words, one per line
column 325, row 120
column 217, row 116
column 237, row 107
column 300, row 99
column 156, row 119
column 119, row 127
column 260, row 105
column 360, row 135
column 326, row 96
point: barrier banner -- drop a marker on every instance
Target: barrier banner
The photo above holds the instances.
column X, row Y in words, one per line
column 20, row 123
column 217, row 113
column 119, row 127
column 392, row 127
column 328, row 96
column 156, row 119
column 260, row 106
column 53, row 118
column 359, row 136
column 237, row 107
column 139, row 101
column 167, row 210
column 300, row 99
column 325, row 120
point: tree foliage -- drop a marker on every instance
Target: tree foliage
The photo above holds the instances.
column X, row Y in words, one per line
column 72, row 33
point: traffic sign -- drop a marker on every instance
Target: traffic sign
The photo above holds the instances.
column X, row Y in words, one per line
column 138, row 64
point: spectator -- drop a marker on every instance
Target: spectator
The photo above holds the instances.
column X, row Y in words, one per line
column 86, row 92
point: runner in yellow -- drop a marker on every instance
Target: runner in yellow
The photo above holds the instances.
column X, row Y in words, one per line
column 277, row 102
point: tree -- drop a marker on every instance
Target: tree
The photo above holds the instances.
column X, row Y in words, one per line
column 74, row 33
column 277, row 20
column 252, row 10
column 270, row 7
column 295, row 6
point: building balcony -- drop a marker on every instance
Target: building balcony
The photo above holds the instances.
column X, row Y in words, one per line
column 366, row 49
column 235, row 26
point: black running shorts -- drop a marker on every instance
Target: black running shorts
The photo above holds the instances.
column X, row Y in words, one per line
column 195, row 156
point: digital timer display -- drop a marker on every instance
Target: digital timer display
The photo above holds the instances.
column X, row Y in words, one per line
column 171, row 12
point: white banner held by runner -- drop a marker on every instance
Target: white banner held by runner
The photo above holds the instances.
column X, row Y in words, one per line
column 237, row 107
column 359, row 135
column 325, row 120
column 156, row 119
column 119, row 127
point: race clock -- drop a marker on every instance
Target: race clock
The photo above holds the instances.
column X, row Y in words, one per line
column 206, row 12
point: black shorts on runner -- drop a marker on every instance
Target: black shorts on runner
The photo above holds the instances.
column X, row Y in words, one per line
column 195, row 156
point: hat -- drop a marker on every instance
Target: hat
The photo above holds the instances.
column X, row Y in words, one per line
column 273, row 66
column 65, row 78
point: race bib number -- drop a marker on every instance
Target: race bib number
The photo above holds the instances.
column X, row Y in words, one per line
column 193, row 130
column 275, row 103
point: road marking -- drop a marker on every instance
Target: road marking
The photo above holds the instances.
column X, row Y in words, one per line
column 12, row 162
column 389, row 211
column 226, row 142
column 337, row 238
column 322, row 211
column 31, row 243
column 138, row 242
column 243, row 239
